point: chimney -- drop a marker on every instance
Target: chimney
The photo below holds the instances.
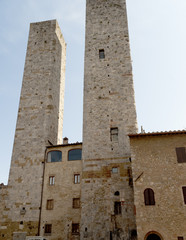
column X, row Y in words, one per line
column 65, row 140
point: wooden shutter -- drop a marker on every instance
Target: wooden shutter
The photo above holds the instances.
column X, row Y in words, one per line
column 151, row 197
column 184, row 194
column 146, row 197
column 180, row 238
column 181, row 154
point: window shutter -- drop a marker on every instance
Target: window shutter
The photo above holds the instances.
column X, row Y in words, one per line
column 184, row 194
column 181, row 154
column 146, row 197
column 151, row 197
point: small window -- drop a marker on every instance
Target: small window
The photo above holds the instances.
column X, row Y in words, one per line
column 51, row 180
column 74, row 154
column 54, row 156
column 114, row 170
column 76, row 178
column 149, row 197
column 117, row 193
column 101, row 54
column 184, row 194
column 180, row 238
column 117, row 208
column 114, row 134
column 48, row 229
column 76, row 203
column 181, row 154
column 50, row 204
column 75, row 228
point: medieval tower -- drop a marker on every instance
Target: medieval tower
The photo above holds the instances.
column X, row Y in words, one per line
column 109, row 116
column 39, row 122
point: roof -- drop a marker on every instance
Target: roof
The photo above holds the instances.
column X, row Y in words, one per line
column 64, row 145
column 157, row 133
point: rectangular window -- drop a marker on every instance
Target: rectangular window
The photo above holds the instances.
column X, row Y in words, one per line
column 184, row 194
column 180, row 238
column 114, row 170
column 101, row 54
column 48, row 229
column 181, row 154
column 114, row 134
column 75, row 228
column 117, row 208
column 50, row 204
column 76, row 178
column 51, row 180
column 76, row 203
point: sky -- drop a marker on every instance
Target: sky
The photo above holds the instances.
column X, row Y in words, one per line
column 157, row 30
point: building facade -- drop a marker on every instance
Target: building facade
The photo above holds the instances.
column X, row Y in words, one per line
column 95, row 190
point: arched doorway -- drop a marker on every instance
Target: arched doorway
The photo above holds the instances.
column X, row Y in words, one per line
column 153, row 236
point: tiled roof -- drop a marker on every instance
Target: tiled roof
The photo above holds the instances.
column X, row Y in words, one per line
column 157, row 133
column 63, row 145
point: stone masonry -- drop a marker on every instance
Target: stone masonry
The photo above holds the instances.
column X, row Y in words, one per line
column 155, row 166
column 109, row 107
column 40, row 119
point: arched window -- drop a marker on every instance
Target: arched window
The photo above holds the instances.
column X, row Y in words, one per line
column 74, row 154
column 153, row 236
column 54, row 156
column 149, row 197
column 116, row 193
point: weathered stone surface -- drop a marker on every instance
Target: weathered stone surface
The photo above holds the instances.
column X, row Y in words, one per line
column 155, row 166
column 108, row 103
column 40, row 118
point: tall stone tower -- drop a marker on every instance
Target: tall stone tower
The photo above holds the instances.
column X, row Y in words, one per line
column 39, row 122
column 109, row 116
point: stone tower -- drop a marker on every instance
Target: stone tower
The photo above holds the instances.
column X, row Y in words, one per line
column 109, row 116
column 39, row 123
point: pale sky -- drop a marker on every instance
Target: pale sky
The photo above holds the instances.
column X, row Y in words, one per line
column 157, row 30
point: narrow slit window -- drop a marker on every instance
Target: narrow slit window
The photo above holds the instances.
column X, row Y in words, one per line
column 101, row 54
column 117, row 208
column 50, row 204
column 114, row 134
column 76, row 203
column 76, row 178
column 51, row 180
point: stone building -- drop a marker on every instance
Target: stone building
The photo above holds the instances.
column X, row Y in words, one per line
column 69, row 191
column 159, row 167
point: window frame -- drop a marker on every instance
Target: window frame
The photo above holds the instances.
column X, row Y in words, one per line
column 54, row 151
column 149, row 197
column 76, row 203
column 74, row 150
column 75, row 228
column 78, row 178
column 50, row 204
column 102, row 53
column 48, row 229
column 184, row 193
column 117, row 208
column 51, row 183
column 181, row 154
column 114, row 135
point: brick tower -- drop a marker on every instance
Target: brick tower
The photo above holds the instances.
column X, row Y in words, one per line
column 109, row 116
column 39, row 122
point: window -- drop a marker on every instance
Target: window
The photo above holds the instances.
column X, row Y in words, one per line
column 117, row 193
column 75, row 228
column 184, row 194
column 114, row 170
column 180, row 238
column 76, row 178
column 101, row 54
column 76, row 203
column 74, row 154
column 48, row 229
column 117, row 208
column 114, row 134
column 51, row 180
column 149, row 197
column 50, row 204
column 181, row 154
column 54, row 156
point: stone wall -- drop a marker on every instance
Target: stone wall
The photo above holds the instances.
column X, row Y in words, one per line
column 40, row 119
column 62, row 193
column 155, row 166
column 109, row 105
